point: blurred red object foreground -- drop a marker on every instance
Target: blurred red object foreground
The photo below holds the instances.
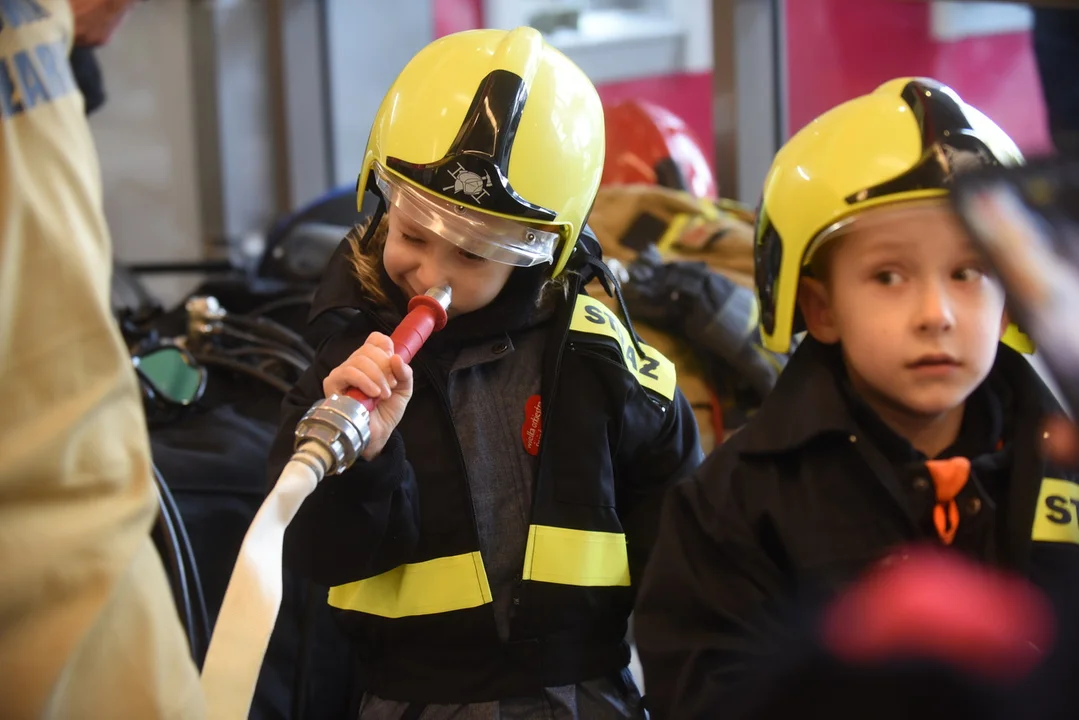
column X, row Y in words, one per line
column 941, row 606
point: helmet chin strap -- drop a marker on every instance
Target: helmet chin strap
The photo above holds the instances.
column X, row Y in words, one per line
column 589, row 265
column 376, row 216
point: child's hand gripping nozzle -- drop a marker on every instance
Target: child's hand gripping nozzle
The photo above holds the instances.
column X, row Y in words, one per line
column 329, row 438
column 335, row 431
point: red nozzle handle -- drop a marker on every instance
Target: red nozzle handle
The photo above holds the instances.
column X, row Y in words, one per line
column 425, row 315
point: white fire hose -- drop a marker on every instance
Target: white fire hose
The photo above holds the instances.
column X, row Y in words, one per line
column 329, row 438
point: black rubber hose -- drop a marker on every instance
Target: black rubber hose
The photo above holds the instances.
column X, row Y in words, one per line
column 250, row 338
column 174, row 561
column 280, row 303
column 298, row 363
column 274, row 329
column 240, row 367
column 201, row 613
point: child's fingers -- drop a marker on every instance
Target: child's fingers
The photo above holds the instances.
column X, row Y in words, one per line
column 375, row 351
column 380, row 341
column 402, row 372
column 378, row 372
column 338, row 382
column 347, row 376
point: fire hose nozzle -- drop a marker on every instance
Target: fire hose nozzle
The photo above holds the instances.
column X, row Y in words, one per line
column 442, row 294
column 339, row 425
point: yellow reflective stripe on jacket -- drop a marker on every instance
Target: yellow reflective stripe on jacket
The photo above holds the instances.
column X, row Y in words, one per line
column 576, row 557
column 652, row 370
column 1057, row 517
column 435, row 586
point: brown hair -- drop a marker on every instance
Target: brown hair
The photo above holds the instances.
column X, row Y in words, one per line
column 820, row 264
column 366, row 258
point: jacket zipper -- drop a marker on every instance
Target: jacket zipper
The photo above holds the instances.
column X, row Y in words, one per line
column 546, row 412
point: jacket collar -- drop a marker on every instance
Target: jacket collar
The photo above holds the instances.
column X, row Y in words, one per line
column 805, row 404
column 338, row 289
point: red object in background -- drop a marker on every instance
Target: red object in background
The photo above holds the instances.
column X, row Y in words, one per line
column 649, row 144
column 839, row 49
column 686, row 95
column 937, row 605
column 457, row 15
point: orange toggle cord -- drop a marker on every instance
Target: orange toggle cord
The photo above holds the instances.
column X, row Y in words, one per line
column 949, row 477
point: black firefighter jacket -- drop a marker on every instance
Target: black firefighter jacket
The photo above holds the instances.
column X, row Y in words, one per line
column 806, row 497
column 396, row 542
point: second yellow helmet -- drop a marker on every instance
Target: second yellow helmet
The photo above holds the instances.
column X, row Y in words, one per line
column 903, row 142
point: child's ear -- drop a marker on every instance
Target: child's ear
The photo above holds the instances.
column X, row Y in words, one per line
column 816, row 309
column 1005, row 321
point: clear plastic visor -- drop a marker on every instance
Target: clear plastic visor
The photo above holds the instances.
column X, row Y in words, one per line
column 921, row 219
column 497, row 239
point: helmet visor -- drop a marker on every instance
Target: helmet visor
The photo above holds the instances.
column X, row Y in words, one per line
column 933, row 217
column 496, row 238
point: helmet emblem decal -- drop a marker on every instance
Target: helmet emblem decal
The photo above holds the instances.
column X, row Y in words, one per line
column 469, row 183
column 474, row 169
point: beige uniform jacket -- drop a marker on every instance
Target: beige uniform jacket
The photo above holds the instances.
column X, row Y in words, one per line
column 88, row 627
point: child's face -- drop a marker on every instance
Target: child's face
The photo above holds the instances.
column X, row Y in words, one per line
column 417, row 260
column 918, row 317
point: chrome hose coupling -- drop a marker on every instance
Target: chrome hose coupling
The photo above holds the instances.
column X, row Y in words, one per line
column 341, row 426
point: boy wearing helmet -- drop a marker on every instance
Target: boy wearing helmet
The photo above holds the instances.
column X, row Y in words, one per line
column 901, row 418
column 483, row 554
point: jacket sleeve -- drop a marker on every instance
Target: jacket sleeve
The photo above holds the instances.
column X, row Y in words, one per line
column 88, row 623
column 707, row 610
column 650, row 465
column 355, row 525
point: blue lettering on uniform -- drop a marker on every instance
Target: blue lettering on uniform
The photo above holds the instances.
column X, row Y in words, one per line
column 53, row 60
column 33, row 87
column 47, row 79
column 20, row 12
column 10, row 105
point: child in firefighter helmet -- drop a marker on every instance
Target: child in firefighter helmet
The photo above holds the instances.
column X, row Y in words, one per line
column 901, row 417
column 486, row 549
